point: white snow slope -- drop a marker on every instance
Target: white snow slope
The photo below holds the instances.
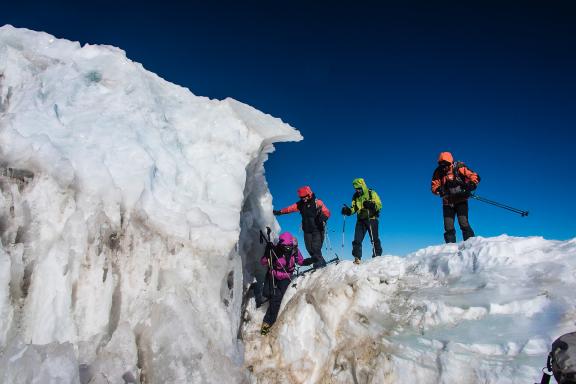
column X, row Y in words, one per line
column 486, row 311
column 122, row 201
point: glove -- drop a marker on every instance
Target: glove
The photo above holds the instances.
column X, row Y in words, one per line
column 370, row 205
column 276, row 213
column 346, row 211
column 308, row 261
column 470, row 186
column 323, row 218
column 441, row 192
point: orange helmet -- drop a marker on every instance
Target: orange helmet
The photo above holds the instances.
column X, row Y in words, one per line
column 445, row 156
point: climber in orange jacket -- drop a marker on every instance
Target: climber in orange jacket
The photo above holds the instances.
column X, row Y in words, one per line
column 454, row 182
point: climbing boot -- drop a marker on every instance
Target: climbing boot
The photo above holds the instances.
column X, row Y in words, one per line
column 265, row 329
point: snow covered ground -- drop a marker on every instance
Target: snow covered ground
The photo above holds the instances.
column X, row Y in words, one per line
column 483, row 311
column 128, row 213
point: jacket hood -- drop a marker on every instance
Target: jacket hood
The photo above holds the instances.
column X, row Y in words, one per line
column 360, row 183
column 446, row 156
column 287, row 238
column 304, row 191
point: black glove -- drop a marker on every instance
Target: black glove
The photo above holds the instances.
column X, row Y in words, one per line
column 370, row 205
column 470, row 186
column 276, row 213
column 441, row 192
column 323, row 218
column 308, row 261
column 346, row 211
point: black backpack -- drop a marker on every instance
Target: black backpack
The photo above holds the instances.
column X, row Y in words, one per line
column 562, row 360
column 456, row 170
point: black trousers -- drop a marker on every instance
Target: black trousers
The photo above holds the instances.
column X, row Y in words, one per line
column 314, row 242
column 363, row 226
column 275, row 300
column 461, row 211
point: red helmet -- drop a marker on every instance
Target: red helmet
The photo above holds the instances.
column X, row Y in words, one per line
column 304, row 191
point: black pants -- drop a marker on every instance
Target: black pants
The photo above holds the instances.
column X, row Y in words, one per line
column 313, row 242
column 460, row 210
column 363, row 226
column 275, row 300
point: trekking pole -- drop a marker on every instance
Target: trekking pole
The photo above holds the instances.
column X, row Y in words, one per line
column 271, row 272
column 371, row 236
column 326, row 237
column 329, row 246
column 343, row 231
column 500, row 205
column 327, row 240
column 269, row 246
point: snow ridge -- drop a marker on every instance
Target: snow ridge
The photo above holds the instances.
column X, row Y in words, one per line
column 483, row 311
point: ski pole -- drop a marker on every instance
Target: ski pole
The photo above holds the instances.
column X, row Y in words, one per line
column 343, row 231
column 371, row 237
column 271, row 271
column 270, row 251
column 326, row 238
column 500, row 205
column 329, row 242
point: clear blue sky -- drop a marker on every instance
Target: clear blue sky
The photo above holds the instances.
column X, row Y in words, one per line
column 378, row 89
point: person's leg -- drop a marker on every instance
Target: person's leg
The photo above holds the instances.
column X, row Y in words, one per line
column 308, row 242
column 462, row 213
column 375, row 237
column 359, row 233
column 275, row 301
column 261, row 287
column 317, row 241
column 313, row 242
column 449, row 231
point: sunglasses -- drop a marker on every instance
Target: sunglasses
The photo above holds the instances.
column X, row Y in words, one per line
column 286, row 247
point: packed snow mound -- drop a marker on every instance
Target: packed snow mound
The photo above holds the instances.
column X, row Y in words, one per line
column 483, row 311
column 126, row 211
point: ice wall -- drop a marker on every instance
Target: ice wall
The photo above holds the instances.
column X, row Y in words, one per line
column 120, row 218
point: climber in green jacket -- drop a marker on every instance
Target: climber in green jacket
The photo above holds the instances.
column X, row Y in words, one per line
column 367, row 205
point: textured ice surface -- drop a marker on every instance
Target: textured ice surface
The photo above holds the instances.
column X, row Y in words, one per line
column 123, row 199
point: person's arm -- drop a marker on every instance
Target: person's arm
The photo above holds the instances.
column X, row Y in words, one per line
column 469, row 175
column 323, row 209
column 347, row 211
column 280, row 270
column 377, row 201
column 354, row 206
column 264, row 259
column 299, row 258
column 436, row 183
column 290, row 209
column 281, row 275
